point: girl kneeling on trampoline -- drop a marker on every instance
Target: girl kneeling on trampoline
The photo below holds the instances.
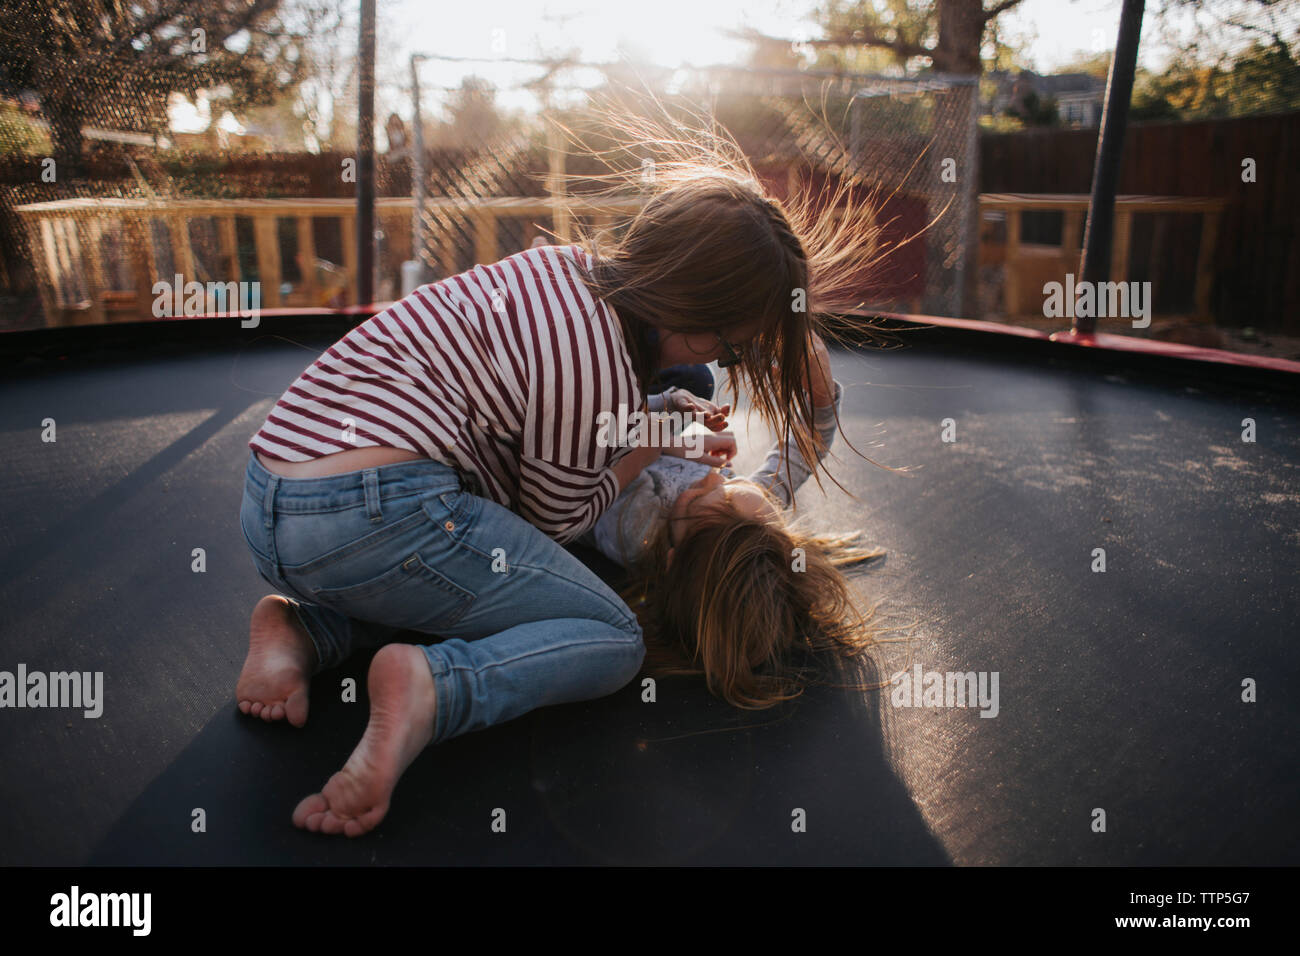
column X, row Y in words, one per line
column 424, row 472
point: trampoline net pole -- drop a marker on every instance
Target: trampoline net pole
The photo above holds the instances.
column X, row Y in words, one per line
column 1110, row 151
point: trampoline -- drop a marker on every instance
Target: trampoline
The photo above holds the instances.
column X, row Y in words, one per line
column 1120, row 691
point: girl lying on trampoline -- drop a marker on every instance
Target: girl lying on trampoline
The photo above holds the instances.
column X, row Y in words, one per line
column 722, row 585
column 424, row 473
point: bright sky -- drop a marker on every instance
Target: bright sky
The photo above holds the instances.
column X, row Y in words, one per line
column 667, row 32
column 678, row 31
column 687, row 31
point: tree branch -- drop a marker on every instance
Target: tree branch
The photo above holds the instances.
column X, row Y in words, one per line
column 866, row 36
column 997, row 8
column 869, row 37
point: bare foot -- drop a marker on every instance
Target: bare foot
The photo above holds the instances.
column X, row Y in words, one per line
column 402, row 715
column 277, row 671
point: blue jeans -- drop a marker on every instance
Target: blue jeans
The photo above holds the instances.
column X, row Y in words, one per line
column 519, row 622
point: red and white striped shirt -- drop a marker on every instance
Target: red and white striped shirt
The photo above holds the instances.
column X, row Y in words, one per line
column 499, row 372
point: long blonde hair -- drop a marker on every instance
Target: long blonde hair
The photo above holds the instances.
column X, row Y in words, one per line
column 709, row 251
column 754, row 605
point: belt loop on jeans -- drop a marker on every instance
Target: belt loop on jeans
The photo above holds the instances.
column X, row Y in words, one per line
column 370, row 479
column 268, row 501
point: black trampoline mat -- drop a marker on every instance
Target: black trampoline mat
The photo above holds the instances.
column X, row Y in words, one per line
column 1119, row 691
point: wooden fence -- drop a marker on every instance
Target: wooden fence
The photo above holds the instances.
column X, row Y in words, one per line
column 1256, row 265
column 97, row 260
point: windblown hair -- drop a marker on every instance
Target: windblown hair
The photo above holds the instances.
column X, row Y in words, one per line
column 710, row 251
column 732, row 606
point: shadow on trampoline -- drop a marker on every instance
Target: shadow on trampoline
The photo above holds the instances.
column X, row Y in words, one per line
column 610, row 781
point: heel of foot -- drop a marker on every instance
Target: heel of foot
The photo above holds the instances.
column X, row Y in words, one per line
column 305, row 640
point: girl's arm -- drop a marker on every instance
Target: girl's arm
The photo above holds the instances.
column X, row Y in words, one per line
column 773, row 475
column 629, row 466
column 713, row 450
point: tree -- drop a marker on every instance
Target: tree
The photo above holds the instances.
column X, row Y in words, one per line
column 330, row 54
column 950, row 35
column 1236, row 57
column 117, row 64
column 473, row 119
column 1096, row 65
column 1034, row 111
column 1261, row 79
column 947, row 33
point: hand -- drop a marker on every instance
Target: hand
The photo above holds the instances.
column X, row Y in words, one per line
column 817, row 375
column 713, row 417
column 713, row 450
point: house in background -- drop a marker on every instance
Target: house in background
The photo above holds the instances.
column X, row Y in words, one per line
column 1078, row 96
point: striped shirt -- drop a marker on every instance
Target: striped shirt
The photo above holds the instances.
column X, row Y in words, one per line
column 500, row 372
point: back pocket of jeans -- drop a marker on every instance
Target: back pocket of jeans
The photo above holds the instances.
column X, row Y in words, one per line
column 411, row 596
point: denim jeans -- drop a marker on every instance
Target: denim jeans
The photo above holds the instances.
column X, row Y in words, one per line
column 515, row 621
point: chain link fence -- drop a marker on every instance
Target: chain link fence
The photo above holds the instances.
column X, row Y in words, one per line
column 89, row 245
column 910, row 143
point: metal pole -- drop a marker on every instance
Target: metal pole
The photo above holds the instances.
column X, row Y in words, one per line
column 417, row 169
column 1110, row 149
column 366, row 158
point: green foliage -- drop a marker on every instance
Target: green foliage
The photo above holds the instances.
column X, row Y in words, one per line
column 1001, row 123
column 897, row 27
column 117, row 65
column 883, row 36
column 1034, row 111
column 1096, row 65
column 19, row 135
column 1263, row 78
column 1208, row 79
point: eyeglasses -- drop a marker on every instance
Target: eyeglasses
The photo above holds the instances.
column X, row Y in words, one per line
column 731, row 357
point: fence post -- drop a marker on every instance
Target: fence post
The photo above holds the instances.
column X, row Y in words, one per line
column 485, row 236
column 268, row 257
column 46, row 269
column 1204, row 256
column 350, row 256
column 307, row 257
column 417, row 170
column 1123, row 243
column 1012, row 257
column 555, row 183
